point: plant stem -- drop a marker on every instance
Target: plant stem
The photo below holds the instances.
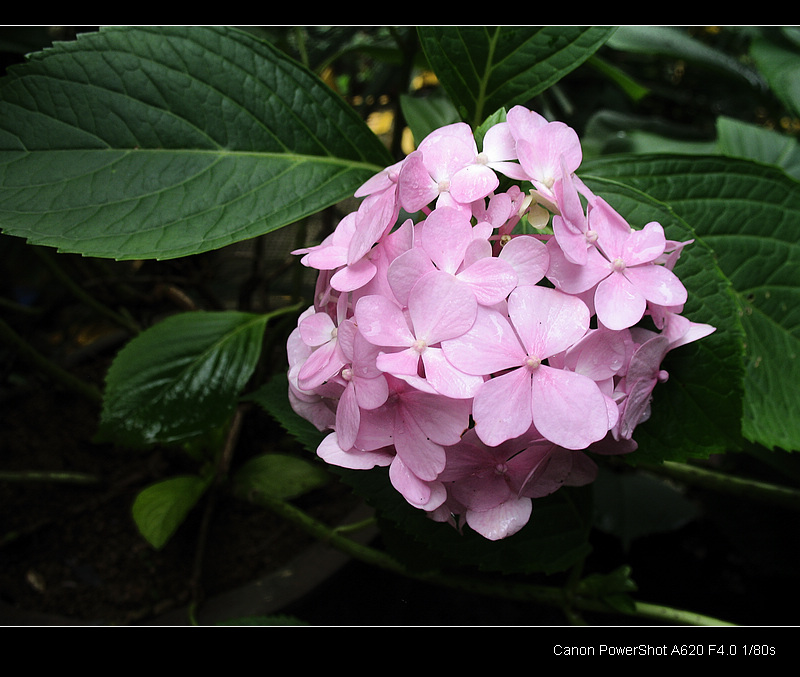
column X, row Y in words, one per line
column 223, row 465
column 51, row 476
column 736, row 486
column 496, row 587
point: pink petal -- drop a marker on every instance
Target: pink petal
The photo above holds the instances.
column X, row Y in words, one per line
column 636, row 405
column 446, row 379
column 406, row 270
column 503, row 521
column 317, row 329
column 415, row 186
column 381, row 322
column 424, row 458
column 445, row 237
column 441, row 307
column 491, row 280
column 612, row 230
column 348, row 417
column 375, row 431
column 499, row 143
column 491, row 345
column 375, row 215
column 529, row 258
column 353, row 276
column 547, row 321
column 618, row 303
column 584, row 470
column 448, row 149
column 483, row 490
column 571, row 277
column 502, row 407
column 321, row 366
column 644, row 246
column 401, row 363
column 331, row 452
column 524, row 122
column 371, row 393
column 326, row 258
column 600, row 354
column 386, row 178
column 657, row 284
column 442, row 420
column 423, row 495
column 473, row 182
column 568, row 408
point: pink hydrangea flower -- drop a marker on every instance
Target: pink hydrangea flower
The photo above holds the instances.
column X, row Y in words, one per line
column 477, row 364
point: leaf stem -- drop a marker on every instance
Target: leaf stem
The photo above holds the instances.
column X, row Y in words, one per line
column 48, row 476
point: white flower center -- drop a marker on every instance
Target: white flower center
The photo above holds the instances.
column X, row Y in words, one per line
column 501, row 469
column 419, row 346
column 618, row 265
column 532, row 363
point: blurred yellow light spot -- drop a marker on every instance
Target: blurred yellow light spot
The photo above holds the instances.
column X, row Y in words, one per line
column 380, row 122
column 407, row 142
column 424, row 79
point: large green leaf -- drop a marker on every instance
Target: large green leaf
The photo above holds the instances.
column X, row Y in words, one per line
column 181, row 377
column 164, row 141
column 749, row 214
column 780, row 64
column 745, row 140
column 484, row 68
column 676, row 43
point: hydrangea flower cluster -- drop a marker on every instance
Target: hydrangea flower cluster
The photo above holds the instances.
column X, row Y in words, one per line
column 480, row 340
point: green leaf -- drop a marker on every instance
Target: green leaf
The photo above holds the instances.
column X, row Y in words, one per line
column 673, row 42
column 164, row 141
column 484, row 68
column 277, row 476
column 162, row 507
column 781, row 67
column 744, row 140
column 180, row 378
column 749, row 215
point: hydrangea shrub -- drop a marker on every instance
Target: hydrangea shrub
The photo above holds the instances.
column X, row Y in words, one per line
column 483, row 324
